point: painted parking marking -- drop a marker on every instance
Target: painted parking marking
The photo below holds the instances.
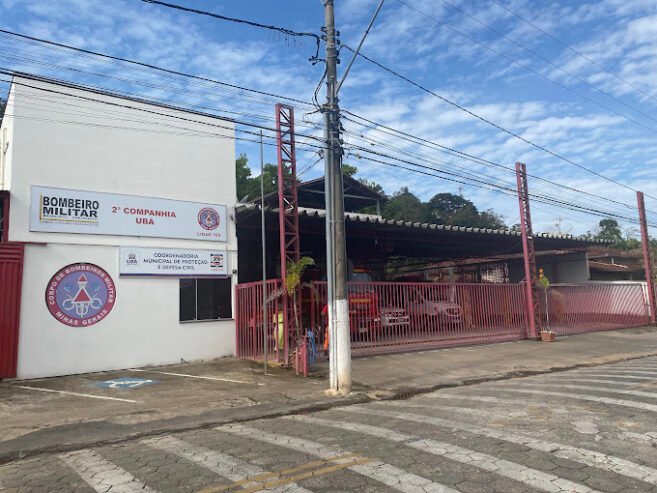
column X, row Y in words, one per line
column 126, row 383
column 66, row 392
column 379, row 471
column 489, row 463
column 200, row 377
column 103, row 475
column 578, row 454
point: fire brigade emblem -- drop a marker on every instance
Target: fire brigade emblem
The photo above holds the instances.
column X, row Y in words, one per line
column 80, row 295
column 208, row 218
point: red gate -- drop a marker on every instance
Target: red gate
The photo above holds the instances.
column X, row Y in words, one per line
column 11, row 275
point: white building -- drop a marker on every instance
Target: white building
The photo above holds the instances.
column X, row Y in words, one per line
column 126, row 214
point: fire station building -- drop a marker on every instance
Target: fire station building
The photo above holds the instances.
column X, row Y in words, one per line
column 121, row 215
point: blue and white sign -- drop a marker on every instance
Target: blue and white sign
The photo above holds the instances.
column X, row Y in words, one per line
column 137, row 261
column 125, row 383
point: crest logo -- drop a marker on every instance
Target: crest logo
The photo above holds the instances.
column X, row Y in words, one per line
column 80, row 295
column 208, row 218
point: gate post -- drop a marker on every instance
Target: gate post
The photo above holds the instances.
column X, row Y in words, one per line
column 528, row 251
column 647, row 261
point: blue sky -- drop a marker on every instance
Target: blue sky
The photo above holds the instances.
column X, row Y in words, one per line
column 436, row 43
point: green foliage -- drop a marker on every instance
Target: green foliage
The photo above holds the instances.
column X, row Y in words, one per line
column 248, row 187
column 610, row 231
column 295, row 273
column 349, row 170
column 405, row 206
column 442, row 208
column 3, row 105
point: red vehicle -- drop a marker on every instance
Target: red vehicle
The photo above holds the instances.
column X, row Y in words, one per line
column 364, row 311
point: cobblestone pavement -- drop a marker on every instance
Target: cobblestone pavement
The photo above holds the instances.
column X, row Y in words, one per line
column 585, row 430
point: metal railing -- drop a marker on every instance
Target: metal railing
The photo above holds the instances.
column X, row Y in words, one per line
column 575, row 308
column 398, row 316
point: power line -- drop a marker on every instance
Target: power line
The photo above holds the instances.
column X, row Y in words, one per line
column 493, row 124
column 140, row 100
column 543, row 76
column 319, row 145
column 546, row 60
column 463, row 155
column 577, row 52
column 271, row 27
column 150, row 66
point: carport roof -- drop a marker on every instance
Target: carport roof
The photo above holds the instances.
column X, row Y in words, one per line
column 416, row 238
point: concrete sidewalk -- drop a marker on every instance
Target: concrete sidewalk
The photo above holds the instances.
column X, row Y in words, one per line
column 67, row 413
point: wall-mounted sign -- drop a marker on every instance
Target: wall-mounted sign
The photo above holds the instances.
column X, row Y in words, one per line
column 57, row 210
column 172, row 262
column 80, row 295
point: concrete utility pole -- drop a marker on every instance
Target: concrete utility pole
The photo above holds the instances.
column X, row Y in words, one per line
column 336, row 257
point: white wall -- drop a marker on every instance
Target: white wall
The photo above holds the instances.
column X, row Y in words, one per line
column 141, row 329
column 148, row 156
column 6, row 146
column 67, row 142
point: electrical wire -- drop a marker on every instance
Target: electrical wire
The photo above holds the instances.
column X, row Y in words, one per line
column 495, row 125
column 150, row 66
column 287, row 32
column 543, row 76
column 546, row 60
column 577, row 52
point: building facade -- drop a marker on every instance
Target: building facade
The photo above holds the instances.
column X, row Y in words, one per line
column 126, row 214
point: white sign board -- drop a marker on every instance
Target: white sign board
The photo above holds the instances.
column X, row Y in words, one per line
column 172, row 262
column 58, row 210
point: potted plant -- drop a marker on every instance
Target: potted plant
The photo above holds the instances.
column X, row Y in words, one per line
column 547, row 334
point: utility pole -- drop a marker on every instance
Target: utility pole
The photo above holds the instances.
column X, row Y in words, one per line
column 339, row 334
column 647, row 260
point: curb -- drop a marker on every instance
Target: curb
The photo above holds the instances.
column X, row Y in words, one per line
column 360, row 397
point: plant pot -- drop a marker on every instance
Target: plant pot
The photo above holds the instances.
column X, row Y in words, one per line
column 548, row 336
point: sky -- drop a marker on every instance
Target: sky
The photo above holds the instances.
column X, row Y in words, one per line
column 577, row 80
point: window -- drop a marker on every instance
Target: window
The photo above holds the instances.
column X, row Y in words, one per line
column 205, row 299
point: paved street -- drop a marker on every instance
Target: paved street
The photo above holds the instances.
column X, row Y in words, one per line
column 590, row 429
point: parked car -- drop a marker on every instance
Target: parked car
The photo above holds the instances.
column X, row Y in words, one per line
column 429, row 305
column 395, row 318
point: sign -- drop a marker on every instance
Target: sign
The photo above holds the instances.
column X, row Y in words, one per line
column 58, row 210
column 125, row 383
column 80, row 295
column 172, row 262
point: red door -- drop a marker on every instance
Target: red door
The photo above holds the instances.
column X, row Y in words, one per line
column 11, row 275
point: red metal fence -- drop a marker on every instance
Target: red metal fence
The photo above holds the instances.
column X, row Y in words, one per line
column 391, row 316
column 397, row 316
column 11, row 274
column 250, row 341
column 575, row 308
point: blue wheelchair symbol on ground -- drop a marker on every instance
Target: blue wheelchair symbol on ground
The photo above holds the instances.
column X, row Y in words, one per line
column 125, row 383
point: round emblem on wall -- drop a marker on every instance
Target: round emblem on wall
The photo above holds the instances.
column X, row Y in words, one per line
column 80, row 295
column 208, row 218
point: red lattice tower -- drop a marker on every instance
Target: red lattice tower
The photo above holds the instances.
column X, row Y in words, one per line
column 288, row 209
column 528, row 251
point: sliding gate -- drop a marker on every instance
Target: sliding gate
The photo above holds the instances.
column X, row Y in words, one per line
column 11, row 274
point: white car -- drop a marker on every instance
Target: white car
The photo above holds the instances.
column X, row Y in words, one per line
column 425, row 304
column 394, row 317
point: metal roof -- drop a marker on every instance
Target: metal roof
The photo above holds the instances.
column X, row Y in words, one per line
column 374, row 219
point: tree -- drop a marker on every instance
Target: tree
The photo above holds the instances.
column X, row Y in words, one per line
column 3, row 105
column 610, row 231
column 242, row 174
column 405, row 206
column 375, row 187
column 248, row 186
column 454, row 210
column 349, row 170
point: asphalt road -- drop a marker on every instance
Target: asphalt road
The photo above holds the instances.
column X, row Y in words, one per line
column 585, row 430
